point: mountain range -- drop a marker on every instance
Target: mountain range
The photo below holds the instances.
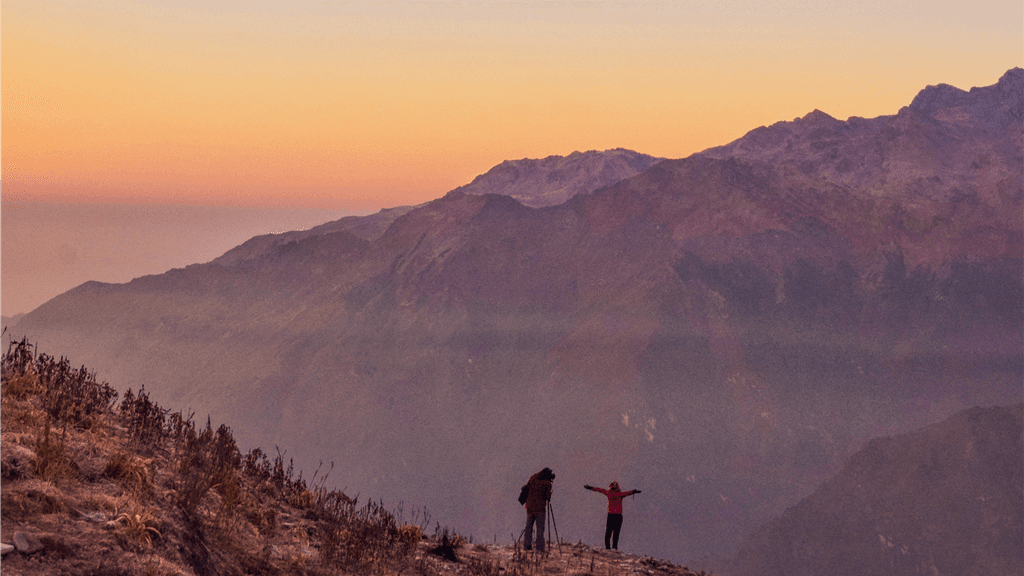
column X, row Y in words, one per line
column 722, row 331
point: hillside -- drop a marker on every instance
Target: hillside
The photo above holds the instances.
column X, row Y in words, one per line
column 96, row 486
column 721, row 332
column 947, row 499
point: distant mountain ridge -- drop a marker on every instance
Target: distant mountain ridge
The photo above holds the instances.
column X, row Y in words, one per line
column 556, row 179
column 727, row 328
column 366, row 227
column 535, row 183
column 935, row 165
column 947, row 499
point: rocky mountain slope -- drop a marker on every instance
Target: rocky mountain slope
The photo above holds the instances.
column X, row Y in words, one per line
column 553, row 180
column 947, row 499
column 721, row 331
column 947, row 181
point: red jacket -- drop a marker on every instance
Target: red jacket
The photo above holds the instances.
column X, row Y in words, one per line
column 614, row 499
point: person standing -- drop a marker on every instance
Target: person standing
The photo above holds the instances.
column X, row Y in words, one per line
column 614, row 524
column 539, row 494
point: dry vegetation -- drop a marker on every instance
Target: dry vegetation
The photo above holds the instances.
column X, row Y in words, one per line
column 106, row 487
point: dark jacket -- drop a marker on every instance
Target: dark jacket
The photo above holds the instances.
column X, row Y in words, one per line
column 540, row 492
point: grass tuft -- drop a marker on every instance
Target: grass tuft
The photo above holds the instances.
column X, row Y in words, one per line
column 51, row 461
column 132, row 472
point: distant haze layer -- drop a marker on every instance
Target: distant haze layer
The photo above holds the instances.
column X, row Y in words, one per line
column 49, row 247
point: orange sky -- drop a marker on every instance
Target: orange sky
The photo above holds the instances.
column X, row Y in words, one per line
column 363, row 105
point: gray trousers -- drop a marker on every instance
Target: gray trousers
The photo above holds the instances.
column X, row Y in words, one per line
column 528, row 535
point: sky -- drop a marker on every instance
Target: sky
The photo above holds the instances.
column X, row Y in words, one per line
column 349, row 107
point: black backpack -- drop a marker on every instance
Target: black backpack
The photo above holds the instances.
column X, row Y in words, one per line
column 524, row 493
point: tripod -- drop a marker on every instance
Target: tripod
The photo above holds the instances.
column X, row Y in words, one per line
column 551, row 521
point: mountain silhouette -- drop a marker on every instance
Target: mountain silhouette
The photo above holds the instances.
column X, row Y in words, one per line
column 721, row 331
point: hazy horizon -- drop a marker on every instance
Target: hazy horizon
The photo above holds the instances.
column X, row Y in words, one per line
column 51, row 247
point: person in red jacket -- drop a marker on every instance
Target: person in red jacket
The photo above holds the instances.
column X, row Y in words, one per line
column 614, row 525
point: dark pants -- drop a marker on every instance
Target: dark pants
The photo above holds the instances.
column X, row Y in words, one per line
column 611, row 531
column 528, row 535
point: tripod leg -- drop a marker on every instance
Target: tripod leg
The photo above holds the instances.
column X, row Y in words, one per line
column 558, row 539
column 549, row 526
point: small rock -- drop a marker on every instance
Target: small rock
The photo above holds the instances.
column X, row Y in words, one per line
column 27, row 543
column 5, row 548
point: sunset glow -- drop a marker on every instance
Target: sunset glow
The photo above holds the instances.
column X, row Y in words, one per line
column 359, row 106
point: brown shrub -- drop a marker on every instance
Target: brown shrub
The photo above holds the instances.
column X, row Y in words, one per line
column 302, row 500
column 51, row 461
column 139, row 525
column 205, row 460
column 130, row 471
column 143, row 418
column 230, row 492
column 410, row 535
column 22, row 386
column 263, row 518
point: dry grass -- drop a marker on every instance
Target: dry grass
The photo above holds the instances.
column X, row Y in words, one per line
column 138, row 524
column 33, row 501
column 410, row 535
column 131, row 471
column 22, row 386
column 52, row 462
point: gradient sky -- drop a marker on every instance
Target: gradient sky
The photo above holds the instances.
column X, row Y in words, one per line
column 362, row 105
column 316, row 109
